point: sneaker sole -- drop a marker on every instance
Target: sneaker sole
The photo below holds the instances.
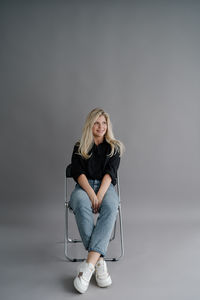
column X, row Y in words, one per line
column 78, row 288
column 107, row 284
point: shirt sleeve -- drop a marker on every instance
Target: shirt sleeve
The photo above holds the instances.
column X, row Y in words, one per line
column 112, row 167
column 78, row 165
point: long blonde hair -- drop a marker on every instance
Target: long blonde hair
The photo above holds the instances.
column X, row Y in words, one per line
column 87, row 140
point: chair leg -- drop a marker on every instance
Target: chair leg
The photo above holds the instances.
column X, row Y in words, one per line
column 114, row 232
column 121, row 233
column 67, row 239
column 121, row 239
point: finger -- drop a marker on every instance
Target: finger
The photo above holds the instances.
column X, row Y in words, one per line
column 93, row 207
column 95, row 204
column 99, row 205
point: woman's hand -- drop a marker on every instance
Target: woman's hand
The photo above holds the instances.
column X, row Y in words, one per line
column 83, row 182
column 100, row 199
column 95, row 204
column 105, row 183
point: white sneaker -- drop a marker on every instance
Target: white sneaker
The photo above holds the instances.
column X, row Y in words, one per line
column 84, row 274
column 103, row 279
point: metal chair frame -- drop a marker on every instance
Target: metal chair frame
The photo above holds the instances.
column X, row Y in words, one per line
column 68, row 240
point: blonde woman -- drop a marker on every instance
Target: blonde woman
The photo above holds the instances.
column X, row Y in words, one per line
column 95, row 161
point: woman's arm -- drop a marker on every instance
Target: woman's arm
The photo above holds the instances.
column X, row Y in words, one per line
column 105, row 183
column 83, row 182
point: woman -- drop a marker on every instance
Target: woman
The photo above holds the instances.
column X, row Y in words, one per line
column 95, row 161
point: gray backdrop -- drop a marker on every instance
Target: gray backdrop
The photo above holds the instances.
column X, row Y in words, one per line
column 140, row 61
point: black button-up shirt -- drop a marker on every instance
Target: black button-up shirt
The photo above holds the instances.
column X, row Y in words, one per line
column 98, row 164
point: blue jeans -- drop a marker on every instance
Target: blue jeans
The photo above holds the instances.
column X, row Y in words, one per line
column 95, row 237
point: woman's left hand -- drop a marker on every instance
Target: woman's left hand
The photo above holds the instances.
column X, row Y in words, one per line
column 100, row 199
column 105, row 183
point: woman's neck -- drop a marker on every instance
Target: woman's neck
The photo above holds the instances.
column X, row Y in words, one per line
column 98, row 141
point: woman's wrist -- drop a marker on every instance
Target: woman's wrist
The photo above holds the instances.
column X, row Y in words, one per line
column 100, row 195
column 92, row 195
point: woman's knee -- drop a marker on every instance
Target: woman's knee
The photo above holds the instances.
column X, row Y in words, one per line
column 79, row 200
column 111, row 202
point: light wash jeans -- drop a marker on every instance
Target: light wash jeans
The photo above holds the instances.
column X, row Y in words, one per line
column 95, row 237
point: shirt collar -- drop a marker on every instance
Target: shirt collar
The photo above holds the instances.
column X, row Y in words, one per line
column 101, row 144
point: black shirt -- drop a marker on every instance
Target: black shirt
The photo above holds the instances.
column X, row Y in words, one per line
column 98, row 164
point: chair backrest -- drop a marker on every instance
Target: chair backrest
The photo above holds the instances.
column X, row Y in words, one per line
column 69, row 171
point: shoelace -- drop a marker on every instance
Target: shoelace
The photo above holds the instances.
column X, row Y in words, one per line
column 86, row 272
column 102, row 272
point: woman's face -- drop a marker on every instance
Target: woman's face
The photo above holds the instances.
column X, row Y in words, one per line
column 100, row 127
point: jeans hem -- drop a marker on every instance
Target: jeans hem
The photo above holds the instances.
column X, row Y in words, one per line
column 97, row 250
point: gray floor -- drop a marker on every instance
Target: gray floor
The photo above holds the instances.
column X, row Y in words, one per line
column 161, row 257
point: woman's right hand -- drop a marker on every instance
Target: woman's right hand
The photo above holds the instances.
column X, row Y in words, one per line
column 83, row 182
column 94, row 201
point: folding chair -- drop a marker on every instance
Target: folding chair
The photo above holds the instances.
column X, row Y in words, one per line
column 69, row 240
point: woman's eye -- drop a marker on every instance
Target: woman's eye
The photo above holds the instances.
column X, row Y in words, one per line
column 103, row 123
